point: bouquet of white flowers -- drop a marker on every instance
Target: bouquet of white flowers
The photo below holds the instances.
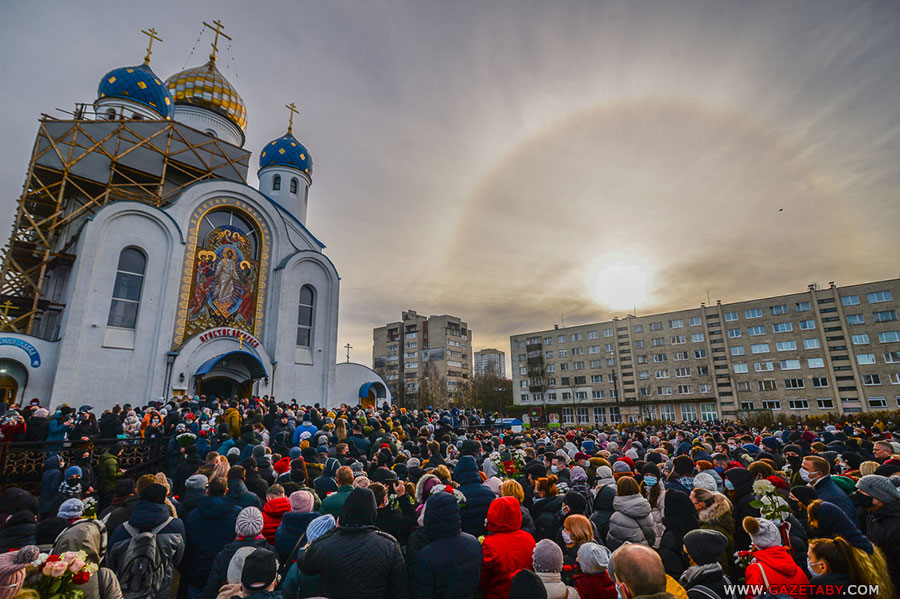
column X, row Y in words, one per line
column 771, row 505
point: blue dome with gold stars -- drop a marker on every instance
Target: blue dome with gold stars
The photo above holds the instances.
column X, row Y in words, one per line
column 286, row 151
column 138, row 84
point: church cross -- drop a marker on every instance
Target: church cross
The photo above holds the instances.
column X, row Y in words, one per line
column 218, row 30
column 151, row 33
column 348, row 347
column 293, row 108
column 6, row 308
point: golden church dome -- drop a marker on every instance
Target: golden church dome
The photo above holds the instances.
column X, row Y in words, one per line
column 205, row 86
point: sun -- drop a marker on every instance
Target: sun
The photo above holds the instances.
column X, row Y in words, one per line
column 621, row 286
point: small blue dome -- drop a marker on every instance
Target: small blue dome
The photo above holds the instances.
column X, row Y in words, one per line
column 286, row 151
column 138, row 84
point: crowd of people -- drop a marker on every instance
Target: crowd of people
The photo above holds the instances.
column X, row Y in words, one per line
column 265, row 499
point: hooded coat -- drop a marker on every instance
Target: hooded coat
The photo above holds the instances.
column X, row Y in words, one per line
column 50, row 481
column 293, row 526
column 170, row 540
column 478, row 497
column 883, row 529
column 680, row 518
column 546, row 514
column 631, row 522
column 603, row 502
column 218, row 573
column 718, row 517
column 449, row 566
column 775, row 566
column 507, row 548
column 325, row 484
column 241, row 495
column 18, row 531
column 209, row 527
column 109, row 473
column 378, row 571
column 273, row 512
column 742, row 479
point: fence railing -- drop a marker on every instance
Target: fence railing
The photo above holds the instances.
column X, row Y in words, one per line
column 22, row 464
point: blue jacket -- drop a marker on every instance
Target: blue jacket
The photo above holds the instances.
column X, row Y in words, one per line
column 478, row 497
column 241, row 496
column 56, row 432
column 292, row 527
column 826, row 490
column 209, row 527
column 450, row 564
column 306, row 427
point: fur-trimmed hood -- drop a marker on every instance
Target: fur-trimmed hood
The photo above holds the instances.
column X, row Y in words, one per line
column 719, row 509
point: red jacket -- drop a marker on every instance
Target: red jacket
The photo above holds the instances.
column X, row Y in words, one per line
column 775, row 566
column 507, row 548
column 595, row 586
column 272, row 512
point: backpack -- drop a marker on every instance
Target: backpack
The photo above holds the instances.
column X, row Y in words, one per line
column 141, row 570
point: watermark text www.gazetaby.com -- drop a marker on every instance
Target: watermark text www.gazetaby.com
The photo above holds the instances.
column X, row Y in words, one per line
column 811, row 591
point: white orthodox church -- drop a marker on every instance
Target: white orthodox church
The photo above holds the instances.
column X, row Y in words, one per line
column 142, row 264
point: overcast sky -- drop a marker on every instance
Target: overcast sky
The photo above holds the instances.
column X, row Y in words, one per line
column 506, row 161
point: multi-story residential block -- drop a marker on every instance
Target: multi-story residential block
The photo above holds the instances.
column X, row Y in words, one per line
column 490, row 362
column 833, row 349
column 415, row 353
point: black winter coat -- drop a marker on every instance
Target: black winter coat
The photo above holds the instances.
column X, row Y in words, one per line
column 449, row 567
column 883, row 529
column 742, row 479
column 545, row 514
column 397, row 524
column 218, row 572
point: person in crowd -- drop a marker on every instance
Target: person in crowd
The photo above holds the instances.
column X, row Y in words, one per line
column 277, row 505
column 593, row 581
column 294, row 524
column 326, row 484
column 833, row 562
column 478, row 497
column 396, row 520
column 248, row 537
column 259, row 575
column 110, row 472
column 527, row 585
column 238, row 491
column 739, row 487
column 19, row 530
column 208, row 528
column 127, row 546
column 512, row 488
column 506, row 547
column 450, row 564
column 654, row 489
column 379, row 568
column 631, row 522
column 334, row 503
column 816, row 472
column 773, row 563
column 705, row 578
column 680, row 518
column 547, row 504
column 639, row 573
column 90, row 535
column 296, row 583
column 547, row 560
column 576, row 531
column 714, row 513
column 881, row 499
column 604, row 494
column 12, row 570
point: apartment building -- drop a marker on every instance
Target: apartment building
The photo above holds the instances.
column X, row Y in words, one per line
column 416, row 352
column 490, row 362
column 830, row 349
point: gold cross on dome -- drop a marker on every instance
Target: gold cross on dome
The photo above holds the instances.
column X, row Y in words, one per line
column 218, row 27
column 151, row 33
column 293, row 108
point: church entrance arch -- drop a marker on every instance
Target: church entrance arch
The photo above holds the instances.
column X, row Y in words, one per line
column 13, row 378
column 229, row 375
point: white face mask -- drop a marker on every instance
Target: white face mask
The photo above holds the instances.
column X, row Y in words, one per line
column 807, row 476
column 566, row 537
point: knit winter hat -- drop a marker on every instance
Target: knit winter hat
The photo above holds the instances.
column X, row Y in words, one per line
column 705, row 546
column 233, row 451
column 547, row 557
column 319, row 527
column 294, row 453
column 683, row 465
column 578, row 474
column 879, row 487
column 12, row 569
column 704, row 480
column 763, row 533
column 42, row 412
column 196, row 482
column 302, row 501
column 249, row 522
column 71, row 508
column 154, row 493
column 527, row 585
column 621, row 466
column 593, row 558
column 73, row 471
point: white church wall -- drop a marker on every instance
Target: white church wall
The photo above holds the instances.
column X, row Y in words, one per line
column 307, row 376
column 38, row 359
column 101, row 366
column 349, row 378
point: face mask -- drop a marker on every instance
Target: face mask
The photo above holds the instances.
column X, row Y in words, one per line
column 804, row 474
column 566, row 537
column 732, row 447
column 810, row 564
column 729, row 485
column 564, row 510
column 554, row 469
column 649, row 481
column 863, row 501
column 720, row 470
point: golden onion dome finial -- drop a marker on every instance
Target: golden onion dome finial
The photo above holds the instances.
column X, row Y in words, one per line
column 151, row 33
column 293, row 108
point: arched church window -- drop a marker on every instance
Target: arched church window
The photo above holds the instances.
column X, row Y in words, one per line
column 294, row 185
column 225, row 277
column 276, row 183
column 306, row 316
column 126, row 297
